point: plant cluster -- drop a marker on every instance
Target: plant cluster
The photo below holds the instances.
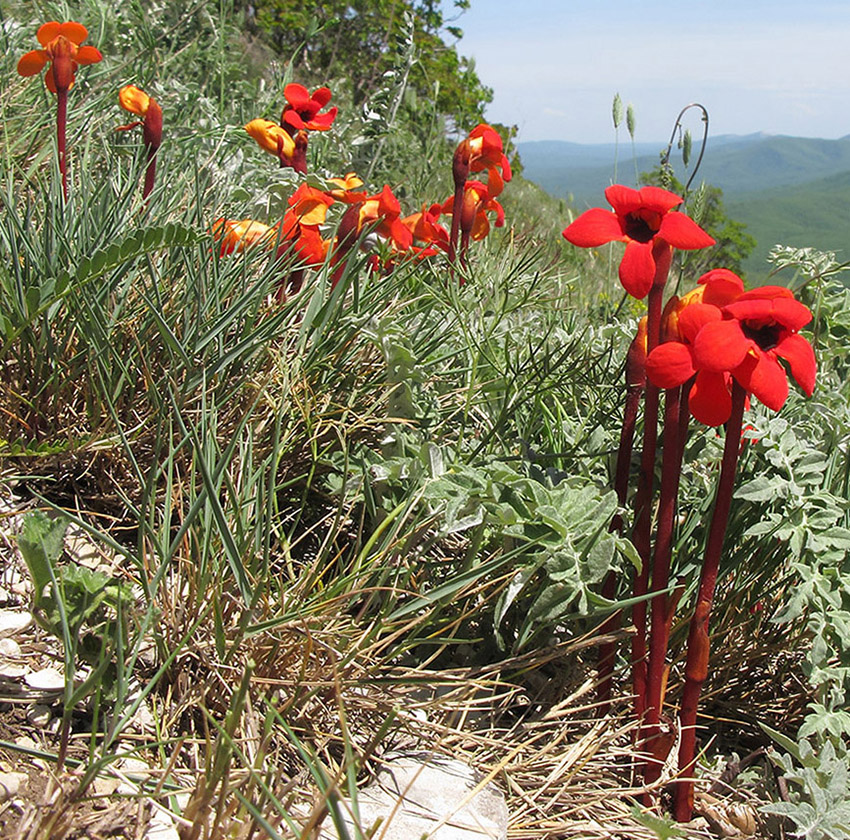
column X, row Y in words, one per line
column 333, row 438
column 710, row 350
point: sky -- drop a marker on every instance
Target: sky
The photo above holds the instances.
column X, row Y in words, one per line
column 780, row 67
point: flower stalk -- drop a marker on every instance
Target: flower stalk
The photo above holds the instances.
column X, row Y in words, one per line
column 696, row 666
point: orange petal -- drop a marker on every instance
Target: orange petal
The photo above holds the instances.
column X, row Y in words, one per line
column 32, row 62
column 134, row 100
column 48, row 31
column 49, row 80
column 88, row 55
column 73, row 31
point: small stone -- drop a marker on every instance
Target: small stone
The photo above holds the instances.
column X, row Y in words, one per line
column 47, row 679
column 13, row 621
column 10, row 784
column 161, row 827
column 39, row 715
column 106, row 786
column 10, row 648
column 143, row 719
column 13, row 670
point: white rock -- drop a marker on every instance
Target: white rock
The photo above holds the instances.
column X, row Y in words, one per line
column 10, row 783
column 427, row 796
column 161, row 827
column 10, row 648
column 47, row 679
column 13, row 621
column 13, row 670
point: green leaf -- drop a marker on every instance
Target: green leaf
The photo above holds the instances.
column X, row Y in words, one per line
column 41, row 544
column 760, row 489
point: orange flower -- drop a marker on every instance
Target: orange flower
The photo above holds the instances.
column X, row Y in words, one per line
column 348, row 188
column 383, row 211
column 482, row 150
column 300, row 225
column 425, row 227
column 238, row 235
column 273, row 139
column 137, row 102
column 62, row 50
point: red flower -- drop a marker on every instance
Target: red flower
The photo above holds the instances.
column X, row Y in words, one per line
column 425, row 227
column 673, row 362
column 640, row 217
column 758, row 329
column 482, row 150
column 302, row 109
column 62, row 50
column 477, row 202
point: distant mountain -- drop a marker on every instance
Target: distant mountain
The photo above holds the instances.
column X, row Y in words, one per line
column 736, row 164
column 789, row 190
column 815, row 214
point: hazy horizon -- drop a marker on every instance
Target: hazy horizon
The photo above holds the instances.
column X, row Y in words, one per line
column 761, row 65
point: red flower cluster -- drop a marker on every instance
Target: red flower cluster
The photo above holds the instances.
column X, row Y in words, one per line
column 719, row 332
column 472, row 199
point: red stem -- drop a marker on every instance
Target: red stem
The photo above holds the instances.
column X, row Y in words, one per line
column 661, row 604
column 61, row 123
column 457, row 204
column 696, row 665
column 150, row 173
column 641, row 535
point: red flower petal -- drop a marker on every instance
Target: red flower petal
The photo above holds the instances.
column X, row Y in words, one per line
column 791, row 313
column 593, row 228
column 786, row 311
column 801, row 359
column 681, row 231
column 721, row 346
column 763, row 376
column 32, row 62
column 297, row 96
column 623, row 199
column 495, row 183
column 658, row 199
column 47, row 32
column 321, row 96
column 710, row 401
column 721, row 286
column 49, row 81
column 88, row 55
column 694, row 317
column 291, row 117
column 322, row 122
column 670, row 364
column 768, row 292
column 637, row 269
column 73, row 31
